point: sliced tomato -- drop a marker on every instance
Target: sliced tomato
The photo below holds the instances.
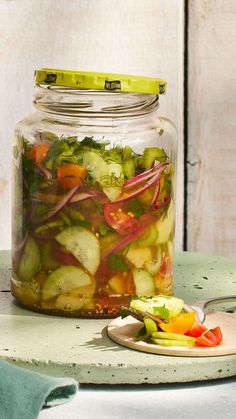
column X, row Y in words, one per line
column 205, row 341
column 196, row 331
column 123, row 222
column 38, row 152
column 218, row 334
column 211, row 337
column 71, row 175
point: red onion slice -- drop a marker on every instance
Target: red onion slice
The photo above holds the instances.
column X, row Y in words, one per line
column 137, row 192
column 45, row 172
column 125, row 241
column 144, row 175
column 81, row 196
column 156, row 191
column 163, row 204
column 60, row 205
column 92, row 194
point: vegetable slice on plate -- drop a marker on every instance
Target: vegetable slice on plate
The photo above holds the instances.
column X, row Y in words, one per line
column 211, row 337
column 165, row 322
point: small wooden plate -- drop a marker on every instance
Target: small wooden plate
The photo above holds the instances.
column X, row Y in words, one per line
column 122, row 331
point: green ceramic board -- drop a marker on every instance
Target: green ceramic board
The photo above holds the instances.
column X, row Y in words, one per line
column 81, row 349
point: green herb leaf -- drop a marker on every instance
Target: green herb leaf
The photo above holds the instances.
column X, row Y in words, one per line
column 114, row 154
column 32, row 179
column 90, row 142
column 118, row 262
column 82, row 223
column 103, row 229
column 141, row 333
column 161, row 312
column 135, row 207
column 124, row 313
column 52, row 153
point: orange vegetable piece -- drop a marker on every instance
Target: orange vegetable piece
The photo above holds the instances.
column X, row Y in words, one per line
column 38, row 152
column 71, row 175
column 179, row 324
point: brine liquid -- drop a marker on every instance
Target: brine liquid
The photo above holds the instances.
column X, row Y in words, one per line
column 88, row 258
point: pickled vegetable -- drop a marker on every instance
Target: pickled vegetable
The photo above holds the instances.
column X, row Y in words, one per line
column 98, row 225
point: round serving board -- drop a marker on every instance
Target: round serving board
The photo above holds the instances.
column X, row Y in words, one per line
column 123, row 331
column 81, row 348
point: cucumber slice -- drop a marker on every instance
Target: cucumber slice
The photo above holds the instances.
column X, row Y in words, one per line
column 172, row 304
column 112, row 192
column 151, row 154
column 129, row 168
column 127, row 152
column 95, row 165
column 76, row 299
column 150, row 325
column 105, row 173
column 168, row 342
column 83, row 245
column 118, row 284
column 116, row 170
column 143, row 281
column 63, row 280
column 154, row 265
column 149, row 237
column 139, row 256
column 165, row 224
column 172, row 336
column 26, row 292
column 114, row 181
column 30, row 263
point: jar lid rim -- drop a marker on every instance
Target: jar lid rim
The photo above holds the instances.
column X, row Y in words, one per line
column 112, row 82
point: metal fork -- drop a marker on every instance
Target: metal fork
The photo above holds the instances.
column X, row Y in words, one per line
column 201, row 306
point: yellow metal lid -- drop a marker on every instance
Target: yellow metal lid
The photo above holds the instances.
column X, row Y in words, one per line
column 99, row 81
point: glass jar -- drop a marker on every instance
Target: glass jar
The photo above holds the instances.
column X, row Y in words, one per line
column 94, row 195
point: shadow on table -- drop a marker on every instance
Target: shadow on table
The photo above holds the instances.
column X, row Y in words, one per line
column 102, row 342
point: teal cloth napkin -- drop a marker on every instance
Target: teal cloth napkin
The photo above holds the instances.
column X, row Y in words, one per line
column 24, row 393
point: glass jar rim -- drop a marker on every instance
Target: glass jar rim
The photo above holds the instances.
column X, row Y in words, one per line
column 71, row 102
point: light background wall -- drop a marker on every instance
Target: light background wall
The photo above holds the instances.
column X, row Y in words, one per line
column 142, row 37
column 138, row 37
column 211, row 182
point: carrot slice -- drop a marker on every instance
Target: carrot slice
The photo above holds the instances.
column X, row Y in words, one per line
column 38, row 153
column 71, row 175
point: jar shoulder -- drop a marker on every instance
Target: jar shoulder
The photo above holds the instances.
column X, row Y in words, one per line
column 151, row 128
